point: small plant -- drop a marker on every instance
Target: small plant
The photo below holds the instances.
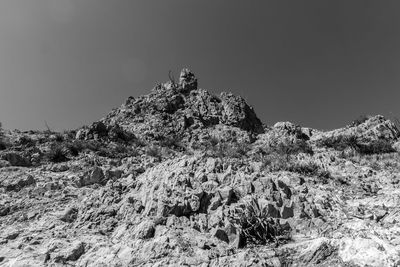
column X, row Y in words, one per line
column 59, row 138
column 375, row 147
column 292, row 148
column 174, row 142
column 341, row 142
column 257, row 228
column 3, row 144
column 25, row 141
column 57, row 154
column 70, row 134
column 75, row 147
column 275, row 162
column 309, row 169
column 228, row 150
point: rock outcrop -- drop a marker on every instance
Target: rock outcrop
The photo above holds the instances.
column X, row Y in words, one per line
column 182, row 109
column 181, row 177
column 372, row 129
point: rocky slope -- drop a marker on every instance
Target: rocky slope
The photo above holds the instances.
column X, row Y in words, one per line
column 181, row 177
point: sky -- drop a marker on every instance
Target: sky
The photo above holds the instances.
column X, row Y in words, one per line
column 316, row 63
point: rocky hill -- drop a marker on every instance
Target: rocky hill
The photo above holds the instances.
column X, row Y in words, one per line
column 181, row 177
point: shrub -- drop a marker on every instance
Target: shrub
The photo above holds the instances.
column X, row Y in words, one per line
column 26, row 140
column 292, row 148
column 275, row 162
column 70, row 134
column 281, row 151
column 59, row 138
column 256, row 226
column 309, row 169
column 75, row 147
column 57, row 154
column 229, row 150
column 3, row 144
column 339, row 142
column 375, row 147
column 342, row 142
column 174, row 142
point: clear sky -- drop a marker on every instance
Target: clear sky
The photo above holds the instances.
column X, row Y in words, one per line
column 317, row 63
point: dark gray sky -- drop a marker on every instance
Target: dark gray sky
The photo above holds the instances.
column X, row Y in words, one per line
column 317, row 63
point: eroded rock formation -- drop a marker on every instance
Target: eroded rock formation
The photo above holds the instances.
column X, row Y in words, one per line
column 181, row 177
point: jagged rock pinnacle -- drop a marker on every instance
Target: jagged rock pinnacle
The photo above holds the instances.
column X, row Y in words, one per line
column 187, row 80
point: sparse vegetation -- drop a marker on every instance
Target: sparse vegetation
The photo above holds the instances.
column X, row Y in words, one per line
column 59, row 137
column 173, row 142
column 375, row 147
column 75, row 147
column 292, row 148
column 3, row 144
column 25, row 140
column 276, row 162
column 227, row 149
column 390, row 161
column 257, row 228
column 341, row 143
